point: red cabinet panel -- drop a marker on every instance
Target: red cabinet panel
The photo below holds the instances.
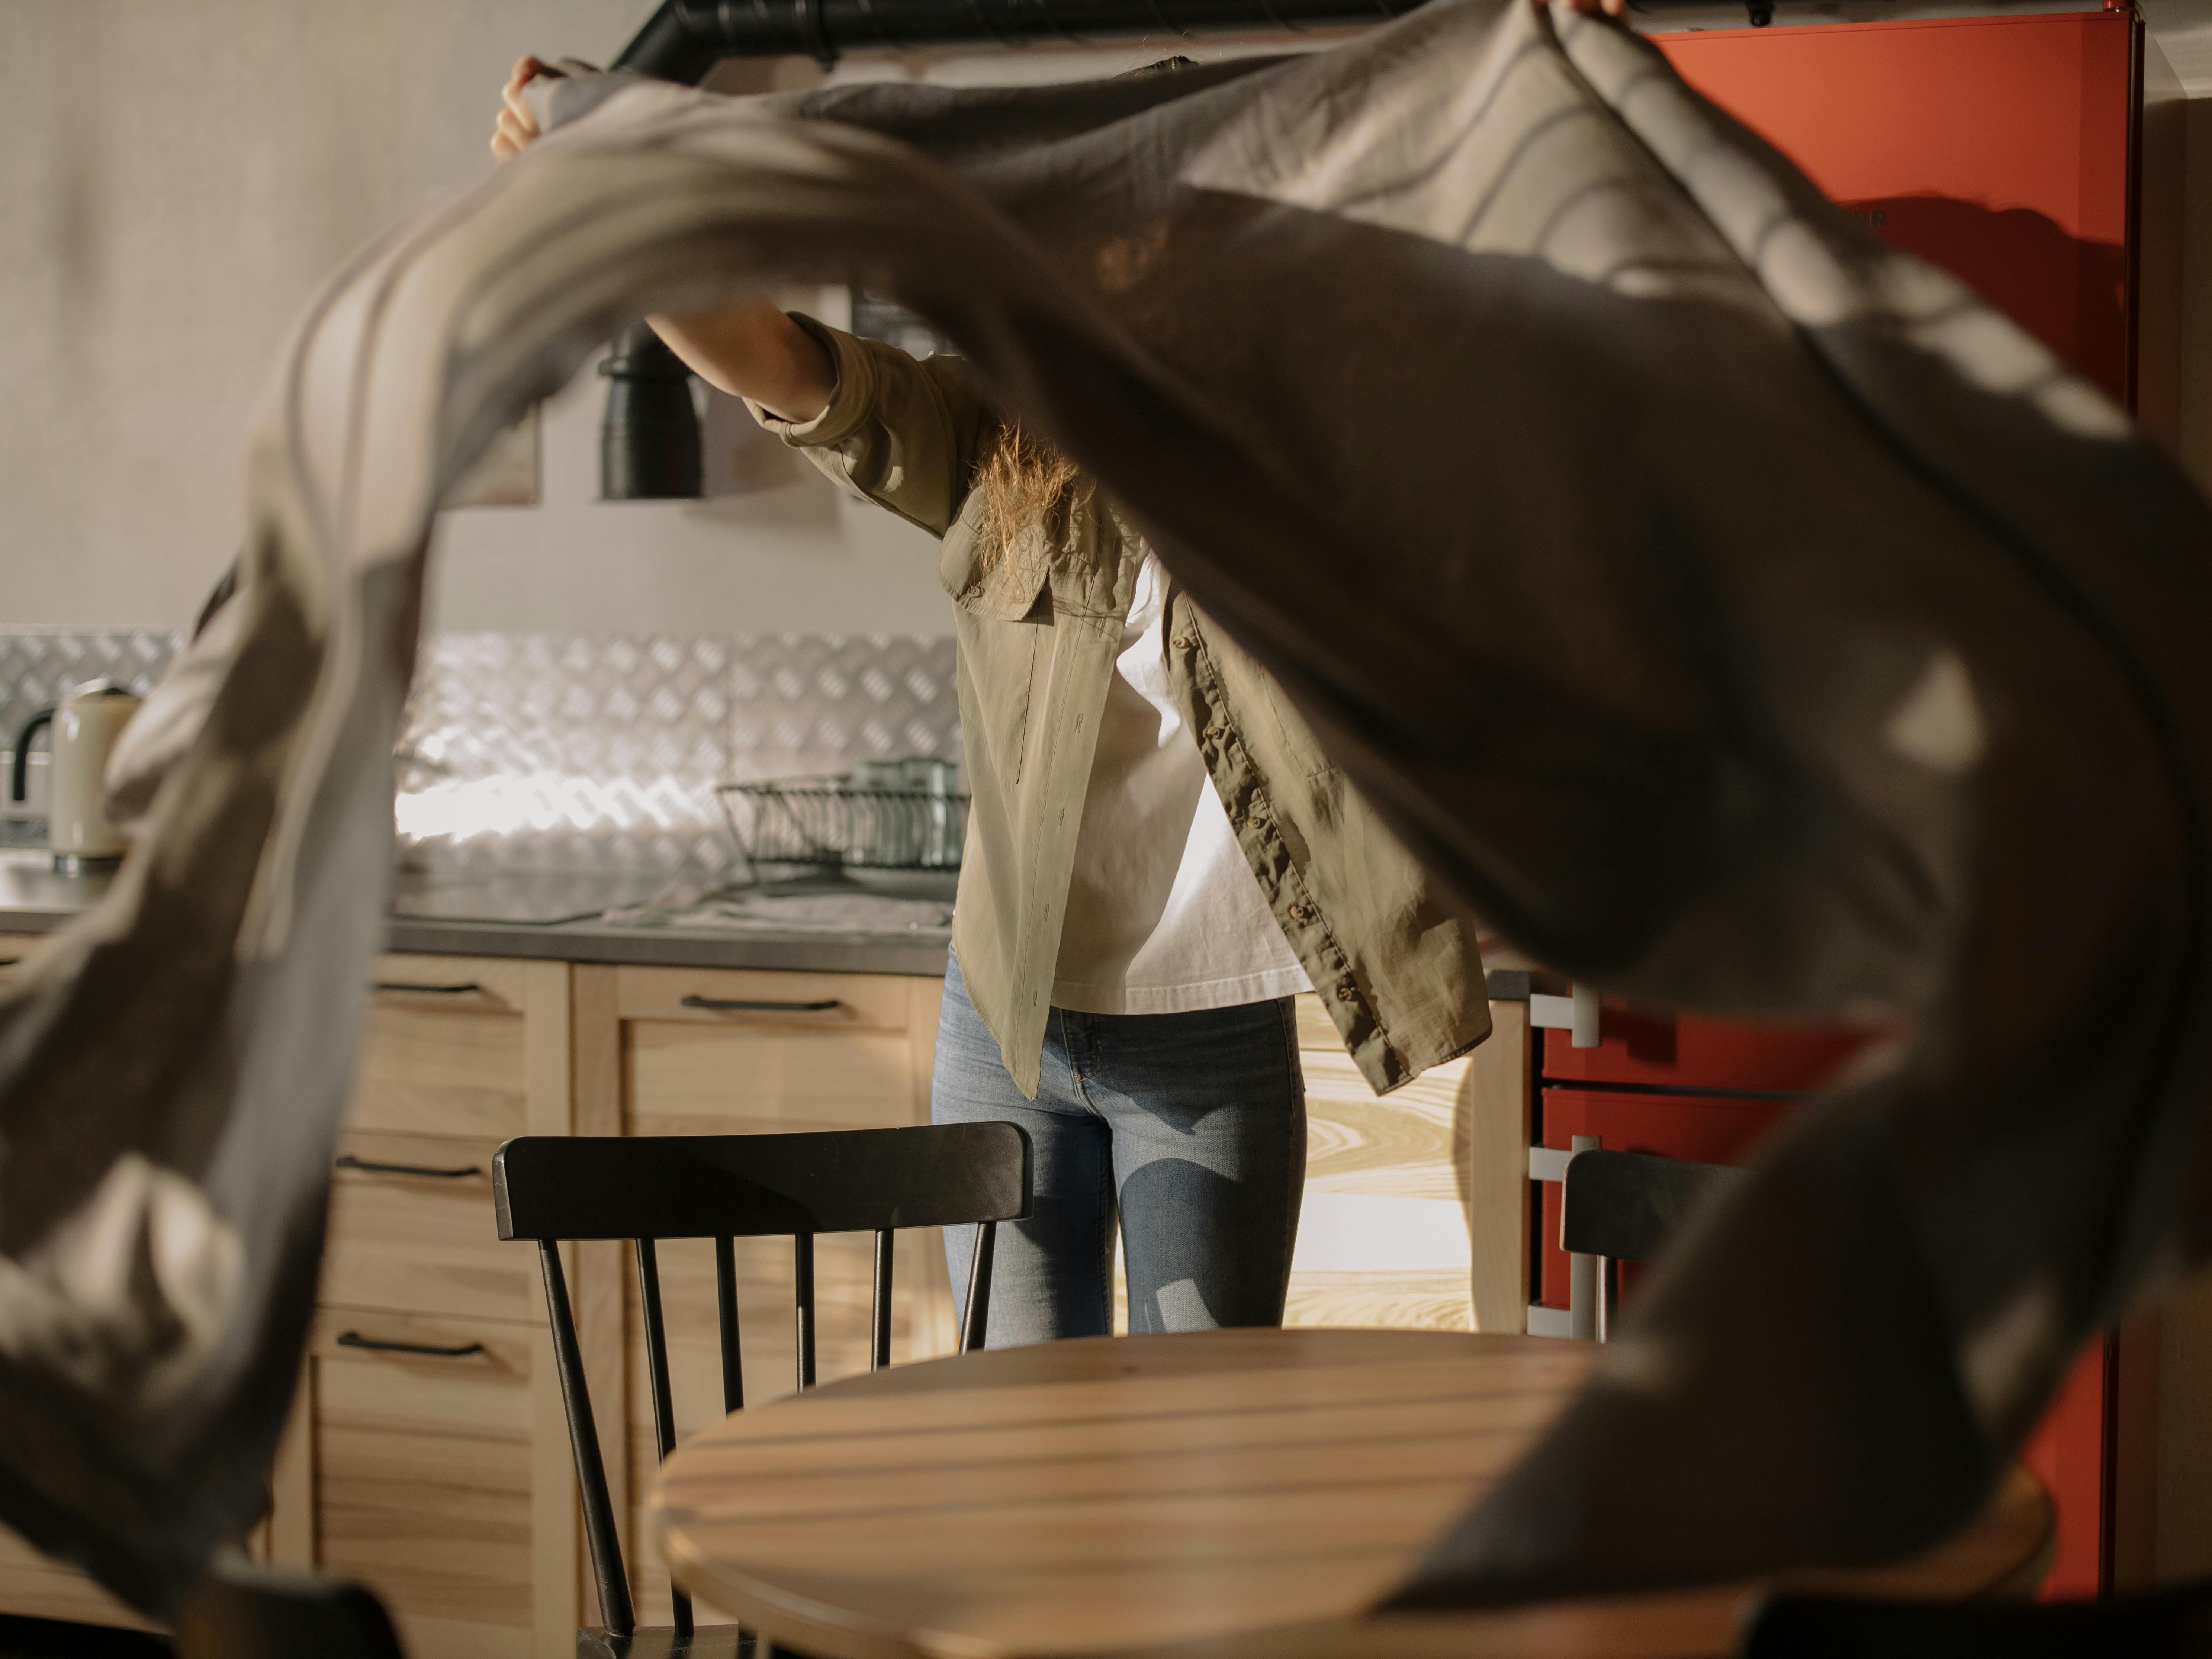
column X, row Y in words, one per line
column 1997, row 148
column 2004, row 150
column 1692, row 1051
column 2068, row 1454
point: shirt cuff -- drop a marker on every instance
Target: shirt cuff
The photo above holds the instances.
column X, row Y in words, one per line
column 852, row 398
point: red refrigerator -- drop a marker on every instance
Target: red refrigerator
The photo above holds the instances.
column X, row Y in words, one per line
column 2038, row 157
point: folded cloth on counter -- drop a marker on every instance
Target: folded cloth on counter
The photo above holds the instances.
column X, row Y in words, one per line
column 1732, row 611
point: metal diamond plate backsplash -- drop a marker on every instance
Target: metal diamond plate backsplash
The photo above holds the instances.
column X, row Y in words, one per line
column 538, row 751
column 37, row 664
column 550, row 753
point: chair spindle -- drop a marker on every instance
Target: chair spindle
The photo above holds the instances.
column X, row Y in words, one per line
column 975, row 1326
column 726, row 1312
column 615, row 1610
column 879, row 1350
column 664, row 1406
column 802, row 1255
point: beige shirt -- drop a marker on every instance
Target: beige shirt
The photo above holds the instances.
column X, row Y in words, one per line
column 1039, row 632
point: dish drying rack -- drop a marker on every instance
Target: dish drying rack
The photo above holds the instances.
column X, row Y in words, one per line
column 829, row 823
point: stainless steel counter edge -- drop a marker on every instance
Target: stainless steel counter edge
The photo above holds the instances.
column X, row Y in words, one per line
column 648, row 947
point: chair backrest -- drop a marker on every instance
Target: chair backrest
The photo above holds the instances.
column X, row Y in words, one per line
column 1625, row 1205
column 552, row 1187
column 240, row 1611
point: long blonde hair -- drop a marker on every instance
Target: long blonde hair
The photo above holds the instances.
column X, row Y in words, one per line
column 1022, row 479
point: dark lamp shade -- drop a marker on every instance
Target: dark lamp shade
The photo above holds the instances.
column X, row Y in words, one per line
column 649, row 435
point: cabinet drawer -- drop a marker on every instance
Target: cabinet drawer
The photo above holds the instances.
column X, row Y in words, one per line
column 750, row 999
column 686, row 1078
column 814, row 1051
column 422, row 1472
column 1695, row 1051
column 442, row 1049
column 413, row 1230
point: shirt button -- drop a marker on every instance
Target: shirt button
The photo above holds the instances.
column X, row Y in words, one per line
column 1300, row 911
column 1348, row 993
column 1182, row 641
column 1217, row 731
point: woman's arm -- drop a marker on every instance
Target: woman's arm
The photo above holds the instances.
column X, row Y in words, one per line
column 750, row 348
column 745, row 347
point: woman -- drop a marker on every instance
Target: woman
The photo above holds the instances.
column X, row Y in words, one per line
column 1159, row 856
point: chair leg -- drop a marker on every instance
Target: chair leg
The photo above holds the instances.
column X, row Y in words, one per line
column 802, row 1262
column 879, row 1346
column 615, row 1610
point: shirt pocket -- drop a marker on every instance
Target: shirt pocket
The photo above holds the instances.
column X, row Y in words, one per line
column 1011, row 590
column 1004, row 618
column 1004, row 662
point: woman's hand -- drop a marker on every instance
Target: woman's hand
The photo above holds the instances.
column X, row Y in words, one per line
column 744, row 346
column 517, row 126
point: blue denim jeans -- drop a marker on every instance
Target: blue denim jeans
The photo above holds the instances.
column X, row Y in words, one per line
column 1191, row 1127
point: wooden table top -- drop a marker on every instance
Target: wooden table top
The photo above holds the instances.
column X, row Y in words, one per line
column 1115, row 1494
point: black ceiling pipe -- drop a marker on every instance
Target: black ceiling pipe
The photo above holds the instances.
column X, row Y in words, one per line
column 685, row 38
column 683, row 41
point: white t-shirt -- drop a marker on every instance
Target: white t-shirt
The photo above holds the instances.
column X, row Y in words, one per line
column 1164, row 914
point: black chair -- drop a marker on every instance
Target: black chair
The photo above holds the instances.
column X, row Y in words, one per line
column 726, row 1188
column 241, row 1611
column 1623, row 1206
column 2175, row 1624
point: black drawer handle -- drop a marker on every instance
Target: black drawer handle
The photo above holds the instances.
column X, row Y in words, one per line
column 348, row 1161
column 724, row 1005
column 428, row 990
column 355, row 1340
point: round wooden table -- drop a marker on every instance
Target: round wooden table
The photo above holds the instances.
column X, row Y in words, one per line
column 1209, row 1490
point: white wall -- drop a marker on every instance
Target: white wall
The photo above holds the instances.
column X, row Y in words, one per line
column 176, row 178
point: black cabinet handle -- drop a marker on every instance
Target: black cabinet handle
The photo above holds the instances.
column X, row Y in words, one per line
column 428, row 990
column 355, row 1340
column 723, row 1005
column 348, row 1161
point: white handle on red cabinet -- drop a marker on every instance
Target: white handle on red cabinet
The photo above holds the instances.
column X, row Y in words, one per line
column 1578, row 1014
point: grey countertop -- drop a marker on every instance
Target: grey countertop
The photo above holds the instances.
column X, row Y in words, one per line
column 545, row 916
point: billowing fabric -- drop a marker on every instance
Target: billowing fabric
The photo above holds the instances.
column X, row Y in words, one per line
column 1738, row 614
column 1039, row 632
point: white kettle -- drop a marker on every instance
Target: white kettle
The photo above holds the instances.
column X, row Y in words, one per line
column 86, row 724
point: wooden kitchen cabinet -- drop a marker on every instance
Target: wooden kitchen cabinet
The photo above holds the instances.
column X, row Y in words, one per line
column 433, row 1476
column 429, row 1456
